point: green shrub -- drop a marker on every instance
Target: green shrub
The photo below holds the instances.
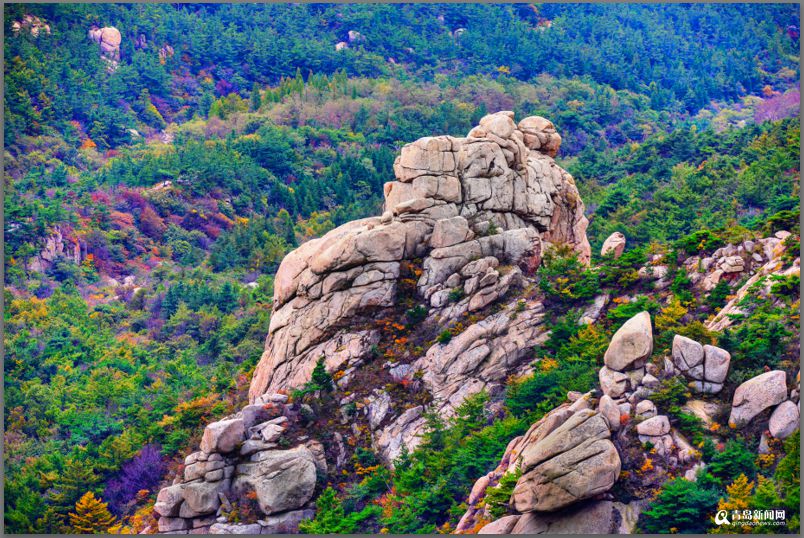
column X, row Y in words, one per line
column 691, row 426
column 625, row 311
column 541, row 391
column 444, row 337
column 734, row 460
column 416, row 315
column 681, row 505
column 564, row 279
column 698, row 242
column 717, row 297
column 331, row 518
column 499, row 497
column 456, row 294
column 681, row 286
column 785, row 286
column 672, row 393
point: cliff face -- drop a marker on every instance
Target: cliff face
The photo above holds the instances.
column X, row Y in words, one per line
column 459, row 208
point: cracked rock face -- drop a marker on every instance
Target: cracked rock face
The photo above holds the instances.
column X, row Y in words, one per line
column 575, row 461
column 756, row 395
column 496, row 195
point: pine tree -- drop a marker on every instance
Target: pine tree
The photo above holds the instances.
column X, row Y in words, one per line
column 91, row 516
column 320, row 377
column 76, row 477
column 256, row 101
column 739, row 494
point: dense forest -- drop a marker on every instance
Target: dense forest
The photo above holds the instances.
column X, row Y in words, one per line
column 149, row 200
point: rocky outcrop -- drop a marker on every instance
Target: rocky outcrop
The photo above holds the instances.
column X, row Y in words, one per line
column 108, row 40
column 574, row 462
column 756, row 395
column 468, row 218
column 236, row 461
column 477, row 212
column 30, row 24
column 763, row 257
column 565, row 458
column 61, row 243
column 614, row 245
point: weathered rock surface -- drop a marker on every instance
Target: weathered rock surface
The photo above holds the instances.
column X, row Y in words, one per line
column 631, row 345
column 655, row 426
column 614, row 244
column 496, row 194
column 784, row 420
column 593, row 517
column 223, row 436
column 706, row 366
column 529, row 443
column 756, row 395
column 575, row 461
column 282, row 479
column 763, row 257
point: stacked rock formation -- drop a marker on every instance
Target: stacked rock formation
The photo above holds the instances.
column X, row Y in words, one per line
column 471, row 214
column 108, row 39
column 240, row 456
column 624, row 362
column 565, row 458
column 707, row 366
column 478, row 213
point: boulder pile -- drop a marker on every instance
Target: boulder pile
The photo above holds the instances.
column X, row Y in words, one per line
column 564, row 459
column 108, row 39
column 706, row 366
column 241, row 457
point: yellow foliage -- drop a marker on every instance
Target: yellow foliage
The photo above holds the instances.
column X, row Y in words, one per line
column 545, row 365
column 91, row 516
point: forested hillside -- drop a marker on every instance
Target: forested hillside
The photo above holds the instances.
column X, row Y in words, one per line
column 152, row 189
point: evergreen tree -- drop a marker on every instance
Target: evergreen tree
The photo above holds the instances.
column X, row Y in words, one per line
column 739, row 496
column 256, row 101
column 91, row 516
column 320, row 377
column 74, row 479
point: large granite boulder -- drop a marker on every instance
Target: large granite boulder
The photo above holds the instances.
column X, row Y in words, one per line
column 631, row 345
column 614, row 244
column 282, row 479
column 784, row 420
column 575, row 461
column 756, row 395
column 223, row 436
